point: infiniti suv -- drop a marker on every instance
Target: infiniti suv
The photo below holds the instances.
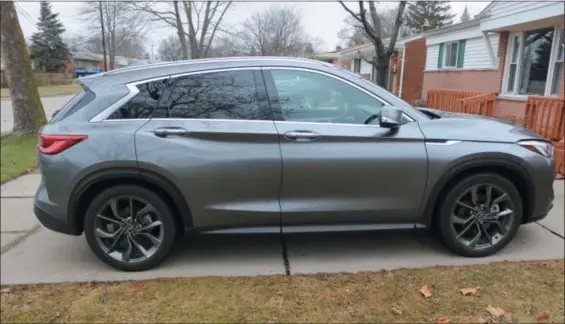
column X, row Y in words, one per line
column 277, row 145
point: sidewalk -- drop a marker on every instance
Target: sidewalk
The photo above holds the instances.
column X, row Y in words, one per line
column 17, row 218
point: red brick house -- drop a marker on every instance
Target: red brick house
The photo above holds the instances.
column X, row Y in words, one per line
column 514, row 49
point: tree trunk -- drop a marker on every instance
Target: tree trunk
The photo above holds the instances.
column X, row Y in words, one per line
column 26, row 103
column 180, row 32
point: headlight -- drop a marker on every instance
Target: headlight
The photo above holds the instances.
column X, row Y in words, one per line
column 541, row 147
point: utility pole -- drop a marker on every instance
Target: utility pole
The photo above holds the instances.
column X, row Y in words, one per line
column 103, row 36
column 152, row 56
column 26, row 103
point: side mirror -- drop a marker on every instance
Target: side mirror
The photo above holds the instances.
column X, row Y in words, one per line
column 390, row 117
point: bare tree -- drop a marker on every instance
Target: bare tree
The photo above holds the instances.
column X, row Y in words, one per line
column 202, row 19
column 170, row 49
column 122, row 24
column 26, row 103
column 353, row 32
column 275, row 31
column 373, row 28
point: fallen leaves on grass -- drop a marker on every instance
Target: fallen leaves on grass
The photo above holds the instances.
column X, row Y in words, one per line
column 5, row 290
column 468, row 291
column 495, row 311
column 443, row 320
column 396, row 310
column 139, row 288
column 499, row 312
column 543, row 318
column 426, row 292
column 482, row 320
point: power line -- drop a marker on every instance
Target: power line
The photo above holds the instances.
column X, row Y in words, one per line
column 24, row 14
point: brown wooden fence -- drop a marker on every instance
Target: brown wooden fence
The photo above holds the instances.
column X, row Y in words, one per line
column 482, row 104
column 447, row 100
column 560, row 157
column 544, row 116
column 42, row 79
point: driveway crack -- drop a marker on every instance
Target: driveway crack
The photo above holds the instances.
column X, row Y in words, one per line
column 285, row 255
column 551, row 231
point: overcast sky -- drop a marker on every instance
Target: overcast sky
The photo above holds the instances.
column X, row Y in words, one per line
column 320, row 19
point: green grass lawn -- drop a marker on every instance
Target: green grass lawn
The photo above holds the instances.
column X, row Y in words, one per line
column 48, row 90
column 18, row 155
column 507, row 292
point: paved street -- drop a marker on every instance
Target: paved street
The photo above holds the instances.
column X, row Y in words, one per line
column 50, row 104
column 32, row 254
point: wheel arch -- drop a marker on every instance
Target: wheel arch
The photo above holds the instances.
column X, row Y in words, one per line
column 98, row 180
column 505, row 167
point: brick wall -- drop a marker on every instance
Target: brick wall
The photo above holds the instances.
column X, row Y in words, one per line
column 414, row 64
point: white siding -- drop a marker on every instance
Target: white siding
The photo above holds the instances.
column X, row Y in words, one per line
column 505, row 14
column 432, row 53
column 366, row 67
column 476, row 53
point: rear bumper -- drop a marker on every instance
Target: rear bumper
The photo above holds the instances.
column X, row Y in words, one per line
column 53, row 223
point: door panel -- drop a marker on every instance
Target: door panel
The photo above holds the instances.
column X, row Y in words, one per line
column 352, row 174
column 336, row 169
column 229, row 171
column 215, row 139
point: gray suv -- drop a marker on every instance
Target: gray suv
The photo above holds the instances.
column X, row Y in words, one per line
column 277, row 145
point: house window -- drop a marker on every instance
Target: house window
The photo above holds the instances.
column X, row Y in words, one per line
column 357, row 65
column 450, row 58
column 534, row 62
column 558, row 65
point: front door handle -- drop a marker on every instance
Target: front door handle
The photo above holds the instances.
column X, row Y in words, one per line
column 301, row 135
column 166, row 131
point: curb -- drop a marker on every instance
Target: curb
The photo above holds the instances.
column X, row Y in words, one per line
column 46, row 95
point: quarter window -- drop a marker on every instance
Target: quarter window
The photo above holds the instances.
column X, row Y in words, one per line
column 313, row 97
column 142, row 104
column 216, row 95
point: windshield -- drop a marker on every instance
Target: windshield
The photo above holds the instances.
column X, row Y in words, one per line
column 372, row 85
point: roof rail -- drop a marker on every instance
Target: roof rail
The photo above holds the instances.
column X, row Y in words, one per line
column 195, row 61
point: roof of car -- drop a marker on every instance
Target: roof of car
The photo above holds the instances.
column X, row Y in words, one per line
column 149, row 71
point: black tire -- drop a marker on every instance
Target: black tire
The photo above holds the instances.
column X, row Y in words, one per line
column 167, row 219
column 445, row 227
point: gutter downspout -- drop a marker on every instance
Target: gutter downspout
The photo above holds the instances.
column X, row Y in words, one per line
column 489, row 49
column 402, row 72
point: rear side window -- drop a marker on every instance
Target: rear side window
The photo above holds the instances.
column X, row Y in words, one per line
column 216, row 95
column 80, row 100
column 142, row 104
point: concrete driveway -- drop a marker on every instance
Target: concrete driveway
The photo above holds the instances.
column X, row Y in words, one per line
column 32, row 254
column 50, row 104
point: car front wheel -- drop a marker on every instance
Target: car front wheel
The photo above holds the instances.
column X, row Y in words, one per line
column 130, row 228
column 480, row 215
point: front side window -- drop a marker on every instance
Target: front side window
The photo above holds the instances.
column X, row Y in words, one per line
column 313, row 97
column 143, row 104
column 216, row 95
column 451, row 54
column 535, row 62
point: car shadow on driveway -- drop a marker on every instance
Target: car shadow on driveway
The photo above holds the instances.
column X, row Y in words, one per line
column 50, row 257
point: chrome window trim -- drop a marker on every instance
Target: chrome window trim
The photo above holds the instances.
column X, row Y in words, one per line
column 103, row 115
column 446, row 143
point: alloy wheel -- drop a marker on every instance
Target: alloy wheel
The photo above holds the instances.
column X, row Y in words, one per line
column 128, row 229
column 482, row 216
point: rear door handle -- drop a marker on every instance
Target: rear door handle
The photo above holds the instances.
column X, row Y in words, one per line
column 167, row 131
column 301, row 135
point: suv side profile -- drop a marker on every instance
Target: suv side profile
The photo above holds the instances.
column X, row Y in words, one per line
column 277, row 145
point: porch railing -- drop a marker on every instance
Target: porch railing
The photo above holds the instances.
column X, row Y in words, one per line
column 545, row 117
column 482, row 104
column 447, row 100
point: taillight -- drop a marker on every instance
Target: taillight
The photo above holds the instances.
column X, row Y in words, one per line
column 55, row 144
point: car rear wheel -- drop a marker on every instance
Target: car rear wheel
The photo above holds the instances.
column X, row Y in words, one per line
column 130, row 228
column 480, row 215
